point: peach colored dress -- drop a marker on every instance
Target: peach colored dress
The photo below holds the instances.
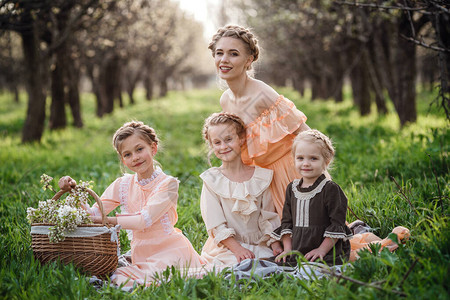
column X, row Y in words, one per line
column 243, row 210
column 269, row 142
column 149, row 210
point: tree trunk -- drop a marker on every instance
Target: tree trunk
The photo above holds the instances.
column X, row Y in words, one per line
column 148, row 84
column 107, row 85
column 369, row 58
column 298, row 82
column 16, row 93
column 57, row 107
column 34, row 123
column 442, row 28
column 73, row 95
column 360, row 88
column 163, row 87
column 405, row 67
column 95, row 82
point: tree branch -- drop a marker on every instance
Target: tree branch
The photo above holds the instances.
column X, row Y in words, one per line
column 385, row 7
column 71, row 24
column 340, row 276
column 423, row 44
column 403, row 194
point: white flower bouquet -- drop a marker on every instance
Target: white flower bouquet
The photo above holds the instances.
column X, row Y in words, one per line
column 65, row 214
column 61, row 230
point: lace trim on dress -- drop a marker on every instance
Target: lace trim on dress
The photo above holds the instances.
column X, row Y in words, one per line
column 272, row 125
column 147, row 218
column 303, row 199
column 222, row 232
column 123, row 192
column 146, row 181
column 278, row 237
column 165, row 222
column 337, row 235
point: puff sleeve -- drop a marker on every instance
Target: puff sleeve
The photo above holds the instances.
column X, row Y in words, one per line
column 276, row 122
column 156, row 206
column 213, row 216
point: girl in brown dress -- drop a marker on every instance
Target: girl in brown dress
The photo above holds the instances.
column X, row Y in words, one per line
column 314, row 211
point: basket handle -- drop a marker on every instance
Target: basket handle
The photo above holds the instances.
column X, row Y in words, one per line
column 93, row 194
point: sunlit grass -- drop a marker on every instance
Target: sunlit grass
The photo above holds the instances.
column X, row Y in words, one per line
column 371, row 150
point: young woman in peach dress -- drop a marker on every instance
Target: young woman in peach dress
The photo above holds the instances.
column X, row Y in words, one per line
column 148, row 200
column 271, row 120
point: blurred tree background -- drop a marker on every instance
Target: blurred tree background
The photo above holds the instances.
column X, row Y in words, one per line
column 59, row 48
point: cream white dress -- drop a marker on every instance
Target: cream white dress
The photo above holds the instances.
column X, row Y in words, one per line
column 243, row 210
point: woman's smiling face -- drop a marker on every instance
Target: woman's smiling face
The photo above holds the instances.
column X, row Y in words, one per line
column 231, row 58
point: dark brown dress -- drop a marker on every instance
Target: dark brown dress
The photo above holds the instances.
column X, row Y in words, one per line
column 313, row 213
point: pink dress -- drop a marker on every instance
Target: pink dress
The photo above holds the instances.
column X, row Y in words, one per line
column 149, row 210
column 269, row 142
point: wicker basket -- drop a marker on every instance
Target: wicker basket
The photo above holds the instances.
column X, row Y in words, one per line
column 95, row 255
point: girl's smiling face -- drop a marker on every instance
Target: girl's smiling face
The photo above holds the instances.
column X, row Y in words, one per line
column 225, row 142
column 137, row 155
column 231, row 58
column 309, row 161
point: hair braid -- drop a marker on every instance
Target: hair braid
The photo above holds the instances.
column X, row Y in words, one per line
column 219, row 119
column 315, row 136
column 147, row 133
column 223, row 118
column 238, row 32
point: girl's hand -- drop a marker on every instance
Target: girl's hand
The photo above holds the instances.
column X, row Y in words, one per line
column 276, row 248
column 96, row 219
column 242, row 253
column 66, row 183
column 315, row 254
column 283, row 256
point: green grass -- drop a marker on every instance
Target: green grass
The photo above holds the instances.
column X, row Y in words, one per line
column 371, row 152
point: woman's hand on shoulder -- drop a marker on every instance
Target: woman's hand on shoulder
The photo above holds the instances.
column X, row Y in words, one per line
column 65, row 183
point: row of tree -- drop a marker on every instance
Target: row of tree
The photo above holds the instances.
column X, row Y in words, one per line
column 373, row 43
column 51, row 45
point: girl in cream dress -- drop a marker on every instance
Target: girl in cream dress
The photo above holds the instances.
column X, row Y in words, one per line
column 236, row 201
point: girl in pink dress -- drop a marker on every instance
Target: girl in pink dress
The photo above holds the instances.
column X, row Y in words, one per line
column 271, row 120
column 148, row 200
column 236, row 204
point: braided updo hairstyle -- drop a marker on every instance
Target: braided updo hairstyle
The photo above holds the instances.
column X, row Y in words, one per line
column 237, row 32
column 219, row 119
column 147, row 133
column 316, row 137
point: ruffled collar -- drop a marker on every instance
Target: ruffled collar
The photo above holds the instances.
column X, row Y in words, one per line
column 244, row 194
column 146, row 181
column 311, row 187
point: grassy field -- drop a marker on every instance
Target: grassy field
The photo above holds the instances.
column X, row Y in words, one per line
column 371, row 152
